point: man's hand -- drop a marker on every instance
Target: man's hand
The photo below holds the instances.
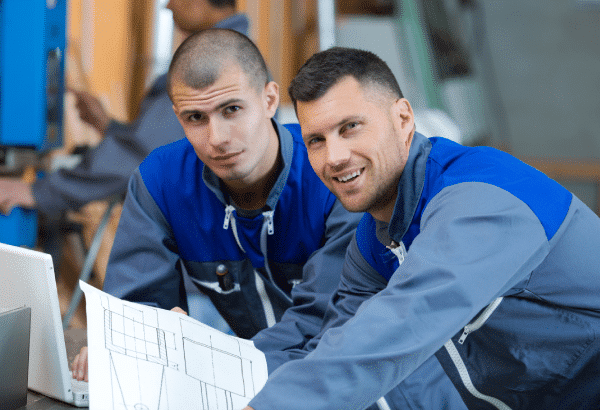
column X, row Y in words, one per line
column 179, row 310
column 79, row 367
column 91, row 110
column 14, row 192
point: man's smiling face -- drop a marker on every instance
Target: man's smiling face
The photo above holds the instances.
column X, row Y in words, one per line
column 358, row 138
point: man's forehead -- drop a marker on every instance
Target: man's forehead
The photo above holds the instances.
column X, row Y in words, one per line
column 226, row 87
column 340, row 100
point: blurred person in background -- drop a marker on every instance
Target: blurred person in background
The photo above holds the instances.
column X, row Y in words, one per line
column 105, row 169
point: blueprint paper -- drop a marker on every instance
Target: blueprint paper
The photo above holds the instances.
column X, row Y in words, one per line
column 145, row 358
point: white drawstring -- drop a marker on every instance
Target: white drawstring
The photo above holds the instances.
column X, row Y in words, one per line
column 269, row 228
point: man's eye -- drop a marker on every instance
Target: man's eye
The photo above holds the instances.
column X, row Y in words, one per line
column 231, row 109
column 349, row 126
column 195, row 117
column 315, row 140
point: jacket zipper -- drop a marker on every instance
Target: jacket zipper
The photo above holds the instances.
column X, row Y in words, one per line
column 268, row 229
column 399, row 250
column 460, row 365
column 466, row 379
column 477, row 323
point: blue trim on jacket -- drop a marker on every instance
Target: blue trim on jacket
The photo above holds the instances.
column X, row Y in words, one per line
column 449, row 163
column 190, row 206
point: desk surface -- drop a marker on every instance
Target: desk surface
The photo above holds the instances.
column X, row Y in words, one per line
column 75, row 339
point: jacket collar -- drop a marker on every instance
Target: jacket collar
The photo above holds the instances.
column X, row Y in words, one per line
column 410, row 189
column 286, row 148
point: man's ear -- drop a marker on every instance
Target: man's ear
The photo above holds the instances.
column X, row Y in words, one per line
column 271, row 98
column 402, row 115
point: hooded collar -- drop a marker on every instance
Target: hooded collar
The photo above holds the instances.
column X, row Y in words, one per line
column 286, row 148
column 410, row 188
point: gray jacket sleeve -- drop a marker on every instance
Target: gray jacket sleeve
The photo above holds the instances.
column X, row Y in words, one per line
column 102, row 172
column 321, row 274
column 144, row 263
column 475, row 244
column 105, row 170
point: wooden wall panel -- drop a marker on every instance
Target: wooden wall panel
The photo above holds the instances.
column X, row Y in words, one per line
column 284, row 31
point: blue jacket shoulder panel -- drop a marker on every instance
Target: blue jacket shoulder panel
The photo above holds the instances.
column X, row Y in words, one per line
column 450, row 163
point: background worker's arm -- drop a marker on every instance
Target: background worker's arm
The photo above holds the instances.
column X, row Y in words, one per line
column 104, row 170
column 13, row 193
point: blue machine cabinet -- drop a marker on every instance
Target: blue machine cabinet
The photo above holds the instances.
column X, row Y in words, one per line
column 32, row 46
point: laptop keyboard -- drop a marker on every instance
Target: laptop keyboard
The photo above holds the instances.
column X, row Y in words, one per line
column 81, row 397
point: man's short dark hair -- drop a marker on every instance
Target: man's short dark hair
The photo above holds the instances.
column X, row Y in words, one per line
column 222, row 3
column 201, row 58
column 324, row 69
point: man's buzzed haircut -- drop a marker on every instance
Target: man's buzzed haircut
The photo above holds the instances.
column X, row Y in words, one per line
column 200, row 59
column 324, row 69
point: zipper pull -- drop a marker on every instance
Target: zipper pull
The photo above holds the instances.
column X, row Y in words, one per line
column 398, row 249
column 464, row 335
column 270, row 226
column 399, row 254
column 228, row 211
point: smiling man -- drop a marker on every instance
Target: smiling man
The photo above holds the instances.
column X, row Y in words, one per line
column 465, row 255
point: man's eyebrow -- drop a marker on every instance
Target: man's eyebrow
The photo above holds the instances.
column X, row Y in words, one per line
column 338, row 124
column 228, row 102
column 218, row 107
column 185, row 113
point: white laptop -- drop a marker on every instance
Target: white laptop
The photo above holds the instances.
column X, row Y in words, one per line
column 27, row 279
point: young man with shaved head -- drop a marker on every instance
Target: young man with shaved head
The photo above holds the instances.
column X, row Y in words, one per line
column 464, row 255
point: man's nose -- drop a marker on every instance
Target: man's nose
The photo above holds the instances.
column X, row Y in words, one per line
column 338, row 153
column 218, row 135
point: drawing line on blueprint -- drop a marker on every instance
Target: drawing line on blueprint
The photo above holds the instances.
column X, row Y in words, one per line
column 201, row 353
column 129, row 334
column 198, row 366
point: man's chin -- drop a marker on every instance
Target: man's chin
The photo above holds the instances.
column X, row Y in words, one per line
column 352, row 205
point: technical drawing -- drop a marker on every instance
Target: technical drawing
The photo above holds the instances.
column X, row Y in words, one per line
column 129, row 334
column 179, row 364
column 225, row 376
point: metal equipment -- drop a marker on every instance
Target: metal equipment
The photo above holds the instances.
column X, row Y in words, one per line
column 32, row 45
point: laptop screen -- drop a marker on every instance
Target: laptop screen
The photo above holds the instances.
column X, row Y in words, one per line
column 27, row 279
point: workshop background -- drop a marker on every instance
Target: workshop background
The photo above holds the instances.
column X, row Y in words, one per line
column 521, row 75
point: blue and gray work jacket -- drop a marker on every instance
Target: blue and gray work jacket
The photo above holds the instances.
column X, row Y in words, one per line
column 488, row 266
column 177, row 218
